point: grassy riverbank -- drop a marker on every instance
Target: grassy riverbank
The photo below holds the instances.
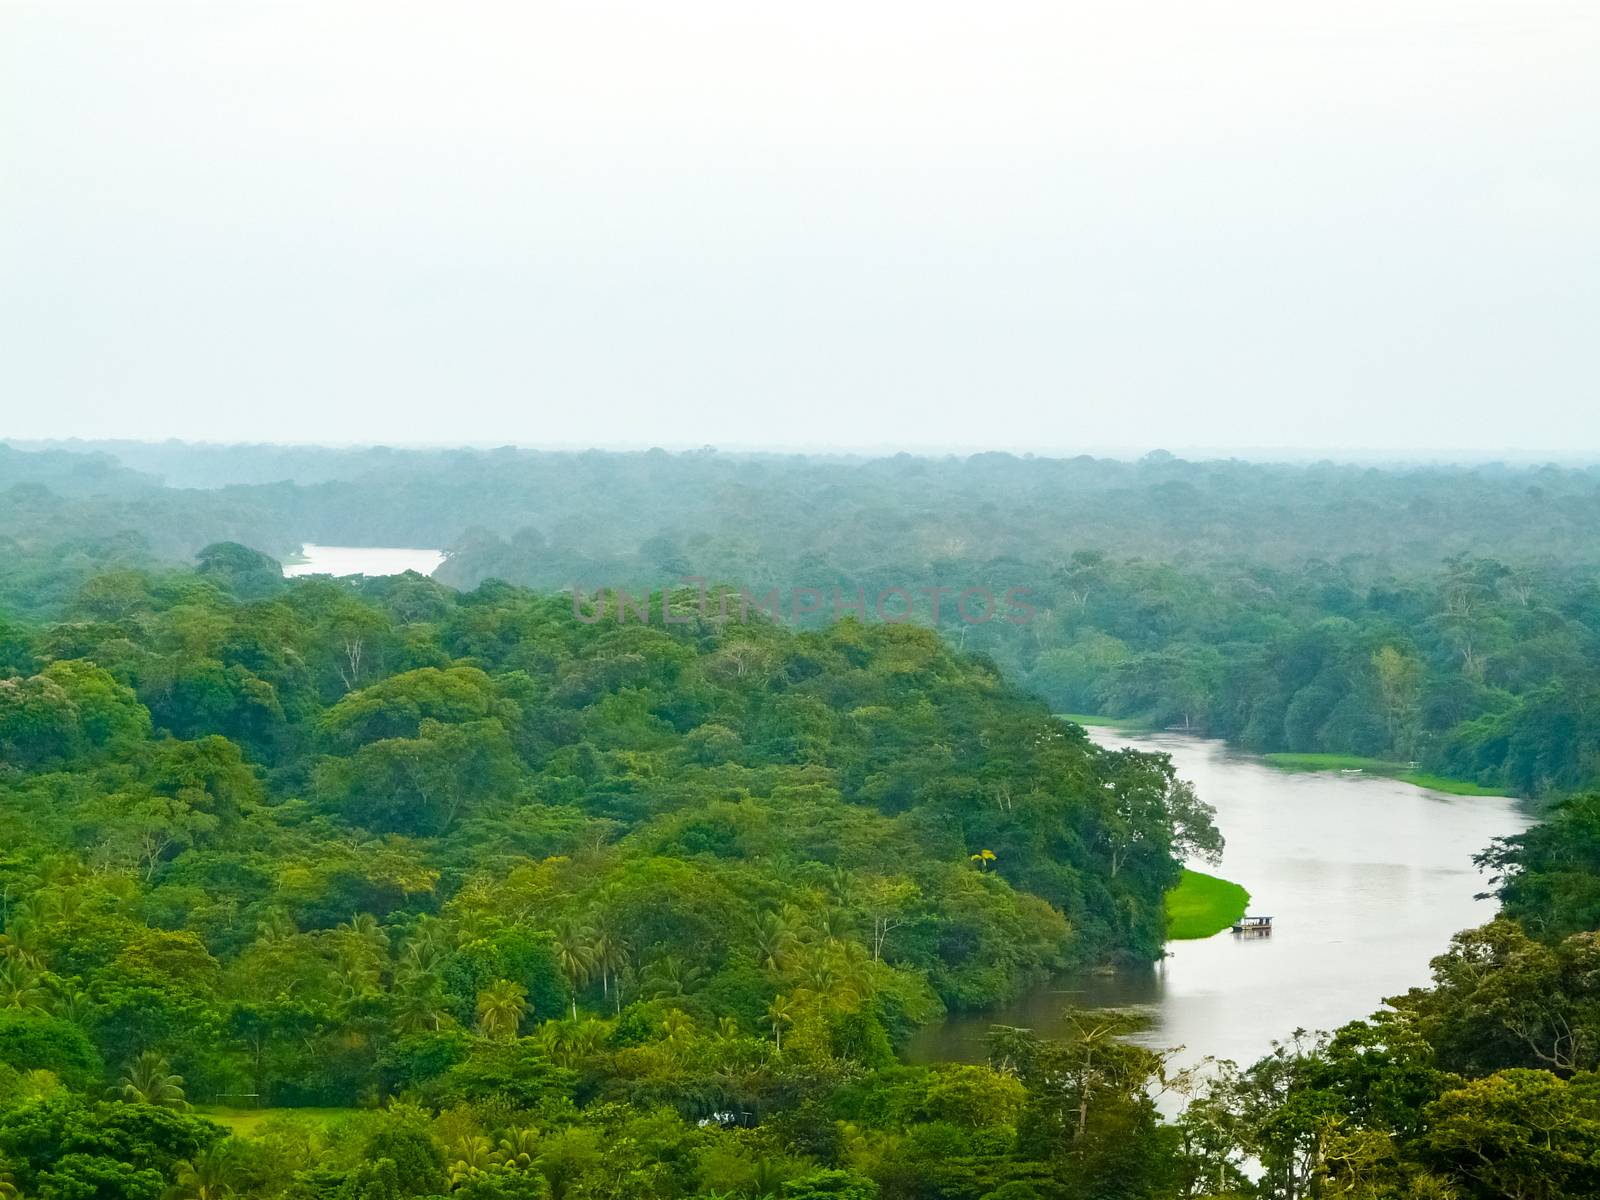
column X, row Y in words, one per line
column 1377, row 766
column 1108, row 722
column 1202, row 905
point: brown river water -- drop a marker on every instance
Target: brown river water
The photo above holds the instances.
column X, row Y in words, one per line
column 1365, row 878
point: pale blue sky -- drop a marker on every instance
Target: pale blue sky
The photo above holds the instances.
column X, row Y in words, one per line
column 1048, row 226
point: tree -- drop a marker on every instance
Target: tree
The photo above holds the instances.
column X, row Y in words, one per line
column 1520, row 1133
column 149, row 1079
column 774, row 939
column 212, row 1174
column 152, row 828
column 419, row 1003
column 781, row 1014
column 1399, row 691
column 246, row 573
column 22, row 985
column 31, row 1040
column 420, row 786
column 575, row 953
column 1549, row 875
column 1194, row 829
column 829, row 1184
column 1501, row 999
column 1089, row 1103
column 500, row 1009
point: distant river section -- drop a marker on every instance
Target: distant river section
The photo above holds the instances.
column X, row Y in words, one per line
column 363, row 560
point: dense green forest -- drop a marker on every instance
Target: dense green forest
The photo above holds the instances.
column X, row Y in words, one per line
column 1477, row 670
column 367, row 889
column 1446, row 616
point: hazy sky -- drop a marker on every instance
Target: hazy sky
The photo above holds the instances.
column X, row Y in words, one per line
column 1251, row 223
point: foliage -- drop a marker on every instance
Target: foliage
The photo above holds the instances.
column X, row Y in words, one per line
column 453, row 893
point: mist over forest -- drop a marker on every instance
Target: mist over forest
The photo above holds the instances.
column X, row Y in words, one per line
column 1441, row 615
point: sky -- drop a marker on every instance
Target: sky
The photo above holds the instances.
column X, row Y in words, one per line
column 1254, row 225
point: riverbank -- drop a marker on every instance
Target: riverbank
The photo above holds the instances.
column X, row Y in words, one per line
column 1202, row 905
column 1296, row 761
column 1352, row 763
column 1330, row 858
column 1086, row 719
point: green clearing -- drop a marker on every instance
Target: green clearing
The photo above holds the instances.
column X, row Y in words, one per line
column 1378, row 766
column 247, row 1122
column 1107, row 722
column 1202, row 905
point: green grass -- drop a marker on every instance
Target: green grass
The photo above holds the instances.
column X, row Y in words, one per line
column 1334, row 762
column 1378, row 766
column 247, row 1122
column 1456, row 787
column 1202, row 905
column 1108, row 722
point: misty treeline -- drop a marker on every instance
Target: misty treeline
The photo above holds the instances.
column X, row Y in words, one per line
column 1440, row 615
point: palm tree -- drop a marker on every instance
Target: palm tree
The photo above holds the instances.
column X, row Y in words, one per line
column 820, row 976
column 365, row 929
column 984, row 859
column 75, row 1005
column 679, row 1030
column 150, row 1080
column 610, row 956
column 474, row 1154
column 500, row 1008
column 470, row 925
column 568, row 1042
column 207, row 1176
column 363, row 951
column 24, row 924
column 428, row 943
column 770, row 1175
column 842, row 884
column 357, row 974
column 780, row 1015
column 575, row 955
column 21, row 985
column 774, row 941
column 419, row 1005
column 832, row 927
column 852, row 966
column 275, row 926
column 668, row 976
column 519, row 1147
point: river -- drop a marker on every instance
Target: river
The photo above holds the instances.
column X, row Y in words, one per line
column 363, row 560
column 1365, row 878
